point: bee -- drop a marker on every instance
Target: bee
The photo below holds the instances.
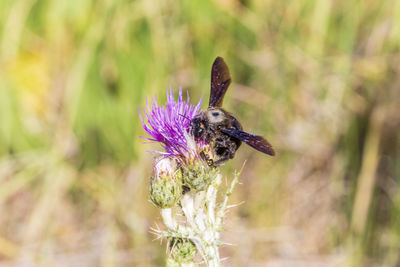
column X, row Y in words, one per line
column 220, row 128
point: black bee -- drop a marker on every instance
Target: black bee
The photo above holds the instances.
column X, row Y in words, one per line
column 220, row 128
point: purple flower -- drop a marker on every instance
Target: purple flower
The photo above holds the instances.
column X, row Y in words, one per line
column 170, row 124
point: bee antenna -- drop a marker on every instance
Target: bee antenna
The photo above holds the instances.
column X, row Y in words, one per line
column 185, row 117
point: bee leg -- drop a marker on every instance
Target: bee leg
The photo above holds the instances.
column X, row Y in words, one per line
column 221, row 160
column 206, row 158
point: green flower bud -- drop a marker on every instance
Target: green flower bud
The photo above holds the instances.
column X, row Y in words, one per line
column 199, row 175
column 182, row 250
column 166, row 183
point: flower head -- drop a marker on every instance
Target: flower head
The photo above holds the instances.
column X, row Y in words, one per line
column 182, row 250
column 166, row 183
column 170, row 125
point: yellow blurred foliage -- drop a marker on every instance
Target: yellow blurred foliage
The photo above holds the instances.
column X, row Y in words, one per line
column 29, row 73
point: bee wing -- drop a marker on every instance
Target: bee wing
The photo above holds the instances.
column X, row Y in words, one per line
column 220, row 80
column 255, row 141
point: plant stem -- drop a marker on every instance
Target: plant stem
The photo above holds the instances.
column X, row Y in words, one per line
column 204, row 218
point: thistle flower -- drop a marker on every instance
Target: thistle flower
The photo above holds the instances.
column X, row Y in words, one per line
column 198, row 175
column 166, row 183
column 170, row 125
column 182, row 249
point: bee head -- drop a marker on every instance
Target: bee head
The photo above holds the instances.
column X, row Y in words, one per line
column 197, row 127
column 215, row 115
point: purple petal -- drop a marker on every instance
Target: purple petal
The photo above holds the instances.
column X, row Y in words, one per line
column 168, row 124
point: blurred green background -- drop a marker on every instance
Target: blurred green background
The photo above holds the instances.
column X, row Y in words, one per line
column 319, row 79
